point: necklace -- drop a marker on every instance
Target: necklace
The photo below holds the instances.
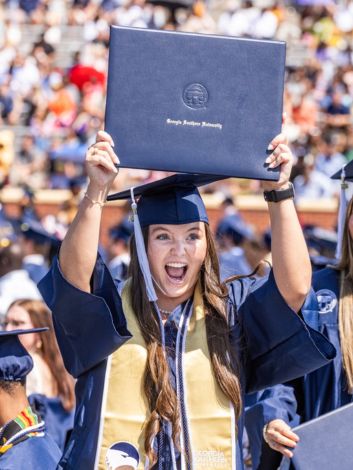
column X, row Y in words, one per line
column 165, row 312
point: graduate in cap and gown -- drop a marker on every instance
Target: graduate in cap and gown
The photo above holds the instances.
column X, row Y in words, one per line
column 36, row 243
column 163, row 361
column 118, row 249
column 24, row 443
column 50, row 388
column 230, row 234
column 330, row 311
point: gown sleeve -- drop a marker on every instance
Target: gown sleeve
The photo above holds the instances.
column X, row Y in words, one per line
column 278, row 402
column 88, row 326
column 277, row 344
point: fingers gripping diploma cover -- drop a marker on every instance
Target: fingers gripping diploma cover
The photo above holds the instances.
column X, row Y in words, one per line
column 194, row 103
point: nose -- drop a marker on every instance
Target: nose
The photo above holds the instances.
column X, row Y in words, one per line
column 178, row 248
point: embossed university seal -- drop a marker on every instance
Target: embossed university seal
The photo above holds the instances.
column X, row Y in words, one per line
column 195, row 96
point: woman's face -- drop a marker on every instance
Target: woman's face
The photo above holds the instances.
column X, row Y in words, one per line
column 176, row 254
column 17, row 318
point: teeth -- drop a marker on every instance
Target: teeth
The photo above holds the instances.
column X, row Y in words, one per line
column 176, row 265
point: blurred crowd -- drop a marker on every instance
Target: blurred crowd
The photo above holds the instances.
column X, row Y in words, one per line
column 52, row 100
column 52, row 104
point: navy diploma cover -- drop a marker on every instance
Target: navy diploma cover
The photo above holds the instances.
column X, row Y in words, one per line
column 194, row 103
column 326, row 442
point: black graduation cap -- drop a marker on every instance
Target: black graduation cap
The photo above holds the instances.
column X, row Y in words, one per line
column 171, row 200
column 32, row 229
column 15, row 361
column 320, row 238
column 122, row 231
column 235, row 227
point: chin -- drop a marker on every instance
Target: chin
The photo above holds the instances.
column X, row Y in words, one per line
column 174, row 291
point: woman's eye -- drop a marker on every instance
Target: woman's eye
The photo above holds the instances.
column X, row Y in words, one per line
column 193, row 236
column 162, row 236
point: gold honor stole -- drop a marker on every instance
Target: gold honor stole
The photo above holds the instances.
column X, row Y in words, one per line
column 210, row 415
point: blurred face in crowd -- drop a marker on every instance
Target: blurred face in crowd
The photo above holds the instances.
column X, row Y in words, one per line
column 176, row 254
column 17, row 318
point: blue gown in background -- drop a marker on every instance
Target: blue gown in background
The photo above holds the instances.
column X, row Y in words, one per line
column 272, row 342
column 58, row 422
column 35, row 453
column 36, row 271
column 324, row 389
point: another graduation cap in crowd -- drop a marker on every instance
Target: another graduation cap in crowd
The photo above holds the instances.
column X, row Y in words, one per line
column 15, row 361
column 234, row 227
column 33, row 230
column 77, row 183
column 345, row 174
column 174, row 200
column 122, row 231
column 324, row 242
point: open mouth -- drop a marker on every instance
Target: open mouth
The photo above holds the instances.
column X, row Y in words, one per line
column 176, row 271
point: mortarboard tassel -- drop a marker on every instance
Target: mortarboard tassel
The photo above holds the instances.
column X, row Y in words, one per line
column 141, row 252
column 341, row 215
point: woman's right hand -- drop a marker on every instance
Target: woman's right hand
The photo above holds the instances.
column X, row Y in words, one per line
column 280, row 437
column 100, row 162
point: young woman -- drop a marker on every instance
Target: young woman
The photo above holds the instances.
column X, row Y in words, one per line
column 331, row 386
column 163, row 361
column 50, row 386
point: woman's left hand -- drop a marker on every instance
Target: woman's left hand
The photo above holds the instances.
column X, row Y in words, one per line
column 280, row 157
column 279, row 436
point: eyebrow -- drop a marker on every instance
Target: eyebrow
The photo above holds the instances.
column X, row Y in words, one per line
column 159, row 227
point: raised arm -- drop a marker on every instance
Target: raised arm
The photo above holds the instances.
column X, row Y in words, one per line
column 291, row 262
column 78, row 252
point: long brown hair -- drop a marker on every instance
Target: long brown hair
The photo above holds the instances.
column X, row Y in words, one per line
column 160, row 394
column 49, row 349
column 345, row 315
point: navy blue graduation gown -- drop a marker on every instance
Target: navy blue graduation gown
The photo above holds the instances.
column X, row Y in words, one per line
column 324, row 389
column 277, row 345
column 35, row 453
column 276, row 402
column 58, row 422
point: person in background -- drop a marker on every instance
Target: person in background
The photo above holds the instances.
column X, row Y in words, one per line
column 331, row 386
column 50, row 387
column 329, row 160
column 321, row 245
column 241, row 251
column 36, row 243
column 312, row 183
column 15, row 282
column 118, row 249
column 231, row 233
column 24, row 441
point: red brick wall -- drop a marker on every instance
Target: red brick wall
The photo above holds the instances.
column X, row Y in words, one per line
column 323, row 215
